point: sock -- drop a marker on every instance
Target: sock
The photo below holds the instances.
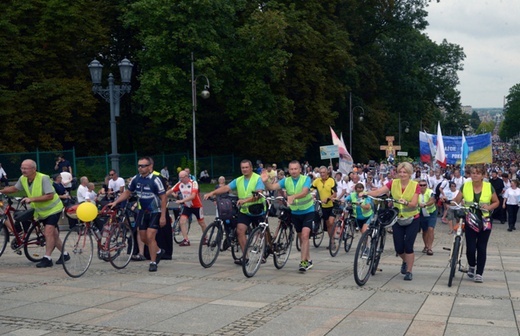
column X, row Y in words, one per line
column 153, row 262
column 48, row 257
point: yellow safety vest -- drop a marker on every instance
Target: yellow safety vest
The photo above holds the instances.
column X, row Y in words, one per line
column 485, row 195
column 427, row 195
column 364, row 212
column 44, row 209
column 303, row 203
column 397, row 193
column 244, row 193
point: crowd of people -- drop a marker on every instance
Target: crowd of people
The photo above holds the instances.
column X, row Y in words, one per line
column 425, row 197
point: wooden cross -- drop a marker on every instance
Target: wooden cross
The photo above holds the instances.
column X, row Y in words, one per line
column 390, row 148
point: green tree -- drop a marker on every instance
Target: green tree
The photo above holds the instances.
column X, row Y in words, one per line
column 511, row 123
column 474, row 120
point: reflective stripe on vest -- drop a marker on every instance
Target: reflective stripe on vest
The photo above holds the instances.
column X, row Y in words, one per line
column 303, row 203
column 397, row 193
column 244, row 193
column 364, row 212
column 41, row 209
column 485, row 195
column 426, row 198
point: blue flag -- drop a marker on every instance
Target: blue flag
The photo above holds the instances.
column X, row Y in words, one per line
column 464, row 153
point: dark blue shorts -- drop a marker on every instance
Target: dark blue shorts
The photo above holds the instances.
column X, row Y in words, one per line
column 146, row 220
column 52, row 219
column 302, row 221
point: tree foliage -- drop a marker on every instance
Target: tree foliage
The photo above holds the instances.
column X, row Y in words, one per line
column 511, row 124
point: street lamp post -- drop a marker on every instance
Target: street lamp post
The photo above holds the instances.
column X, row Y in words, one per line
column 112, row 95
column 351, row 119
column 204, row 94
column 407, row 127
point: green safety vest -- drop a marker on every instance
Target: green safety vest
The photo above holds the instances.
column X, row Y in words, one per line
column 42, row 210
column 364, row 212
column 407, row 195
column 302, row 203
column 427, row 195
column 485, row 195
column 244, row 193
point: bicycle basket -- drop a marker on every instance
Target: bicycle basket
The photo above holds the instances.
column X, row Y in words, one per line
column 256, row 209
column 387, row 217
column 24, row 215
column 337, row 209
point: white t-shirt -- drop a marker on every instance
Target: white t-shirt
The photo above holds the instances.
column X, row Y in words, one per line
column 513, row 196
column 82, row 193
column 117, row 184
column 66, row 179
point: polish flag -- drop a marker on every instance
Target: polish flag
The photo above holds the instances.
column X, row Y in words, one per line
column 440, row 154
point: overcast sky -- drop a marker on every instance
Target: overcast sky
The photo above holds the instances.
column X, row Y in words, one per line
column 489, row 33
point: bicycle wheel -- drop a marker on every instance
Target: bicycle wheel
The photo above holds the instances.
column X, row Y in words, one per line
column 348, row 234
column 121, row 246
column 208, row 251
column 379, row 247
column 4, row 236
column 34, row 244
column 298, row 243
column 176, row 228
column 78, row 244
column 336, row 238
column 317, row 238
column 454, row 259
column 363, row 258
column 254, row 252
column 282, row 245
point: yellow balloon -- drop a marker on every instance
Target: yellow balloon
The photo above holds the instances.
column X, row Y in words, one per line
column 87, row 212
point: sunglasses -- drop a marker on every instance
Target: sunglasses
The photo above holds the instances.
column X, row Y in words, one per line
column 143, row 165
column 110, row 174
column 422, row 185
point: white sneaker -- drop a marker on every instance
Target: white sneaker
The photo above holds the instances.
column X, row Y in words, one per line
column 478, row 278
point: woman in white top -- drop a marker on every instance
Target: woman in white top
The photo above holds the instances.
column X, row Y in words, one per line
column 449, row 195
column 511, row 199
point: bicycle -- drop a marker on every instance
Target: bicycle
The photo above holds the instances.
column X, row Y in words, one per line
column 372, row 242
column 457, row 246
column 115, row 242
column 343, row 229
column 28, row 234
column 261, row 242
column 176, row 226
column 219, row 236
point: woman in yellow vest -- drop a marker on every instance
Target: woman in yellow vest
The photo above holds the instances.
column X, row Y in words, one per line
column 482, row 192
column 407, row 191
column 428, row 216
column 42, row 197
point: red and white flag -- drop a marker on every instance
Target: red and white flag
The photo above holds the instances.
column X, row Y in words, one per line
column 440, row 154
column 345, row 159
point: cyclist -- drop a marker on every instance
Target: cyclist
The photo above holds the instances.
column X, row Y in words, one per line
column 428, row 216
column 46, row 204
column 326, row 188
column 189, row 190
column 406, row 191
column 477, row 236
column 362, row 207
column 299, row 199
column 252, row 208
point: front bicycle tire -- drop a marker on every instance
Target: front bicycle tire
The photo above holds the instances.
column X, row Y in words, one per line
column 209, row 246
column 34, row 244
column 282, row 245
column 336, row 238
column 4, row 236
column 349, row 235
column 298, row 243
column 80, row 248
column 363, row 259
column 176, row 228
column 121, row 247
column 454, row 259
column 317, row 238
column 254, row 252
column 379, row 247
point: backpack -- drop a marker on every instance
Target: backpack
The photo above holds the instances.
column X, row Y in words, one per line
column 226, row 207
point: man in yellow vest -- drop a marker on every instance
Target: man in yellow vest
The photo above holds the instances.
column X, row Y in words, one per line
column 301, row 203
column 428, row 216
column 42, row 197
column 252, row 208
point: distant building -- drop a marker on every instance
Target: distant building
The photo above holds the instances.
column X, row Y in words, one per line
column 467, row 109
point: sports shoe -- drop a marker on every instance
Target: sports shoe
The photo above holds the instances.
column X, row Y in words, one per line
column 45, row 262
column 309, row 264
column 205, row 241
column 478, row 278
column 403, row 268
column 152, row 267
column 185, row 242
column 239, row 261
column 304, row 264
column 365, row 253
column 159, row 256
column 471, row 272
column 63, row 257
column 408, row 276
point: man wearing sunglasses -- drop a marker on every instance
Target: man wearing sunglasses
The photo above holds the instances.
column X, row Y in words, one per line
column 151, row 195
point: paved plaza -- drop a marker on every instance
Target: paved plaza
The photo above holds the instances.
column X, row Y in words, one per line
column 183, row 298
